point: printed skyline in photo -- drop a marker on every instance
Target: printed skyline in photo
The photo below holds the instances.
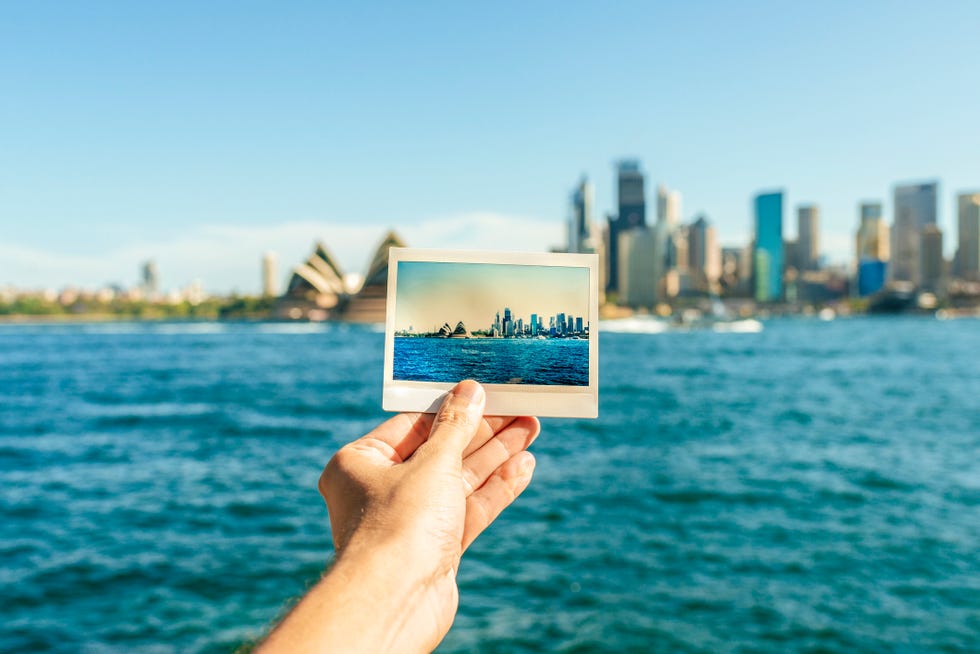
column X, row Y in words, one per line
column 430, row 293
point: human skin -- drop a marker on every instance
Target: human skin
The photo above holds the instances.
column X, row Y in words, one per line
column 405, row 501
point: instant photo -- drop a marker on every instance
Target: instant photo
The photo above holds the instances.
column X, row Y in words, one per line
column 523, row 325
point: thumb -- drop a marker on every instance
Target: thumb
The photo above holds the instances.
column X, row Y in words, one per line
column 458, row 420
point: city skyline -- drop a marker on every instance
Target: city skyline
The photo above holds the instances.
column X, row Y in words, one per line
column 431, row 293
column 260, row 133
column 505, row 323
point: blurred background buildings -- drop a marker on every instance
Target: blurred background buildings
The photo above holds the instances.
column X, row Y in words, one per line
column 646, row 266
column 661, row 266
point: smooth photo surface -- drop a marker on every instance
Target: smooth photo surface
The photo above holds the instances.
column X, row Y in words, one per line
column 515, row 323
column 495, row 323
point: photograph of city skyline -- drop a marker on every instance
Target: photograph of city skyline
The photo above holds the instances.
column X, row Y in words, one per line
column 493, row 322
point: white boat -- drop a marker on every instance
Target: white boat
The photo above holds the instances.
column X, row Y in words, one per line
column 746, row 326
column 827, row 314
column 634, row 325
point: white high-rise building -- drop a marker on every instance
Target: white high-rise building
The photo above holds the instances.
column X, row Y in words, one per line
column 270, row 268
column 673, row 215
column 704, row 256
column 668, row 206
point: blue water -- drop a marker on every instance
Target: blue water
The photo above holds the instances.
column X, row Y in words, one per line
column 553, row 361
column 815, row 487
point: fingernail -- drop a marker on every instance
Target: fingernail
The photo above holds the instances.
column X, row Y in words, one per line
column 527, row 466
column 469, row 391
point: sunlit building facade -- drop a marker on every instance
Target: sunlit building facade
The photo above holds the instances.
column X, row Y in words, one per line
column 270, row 274
column 638, row 270
column 704, row 256
column 968, row 250
column 872, row 247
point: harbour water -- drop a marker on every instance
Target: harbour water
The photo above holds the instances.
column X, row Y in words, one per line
column 814, row 487
column 545, row 361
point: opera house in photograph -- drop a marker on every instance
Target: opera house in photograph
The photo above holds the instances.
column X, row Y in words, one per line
column 317, row 289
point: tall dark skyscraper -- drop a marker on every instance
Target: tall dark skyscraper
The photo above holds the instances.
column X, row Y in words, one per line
column 632, row 213
column 580, row 222
column 632, row 199
column 768, row 255
column 808, row 236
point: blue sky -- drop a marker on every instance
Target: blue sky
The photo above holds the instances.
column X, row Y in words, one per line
column 203, row 134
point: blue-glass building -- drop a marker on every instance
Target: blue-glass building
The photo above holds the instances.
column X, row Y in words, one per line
column 768, row 254
column 871, row 276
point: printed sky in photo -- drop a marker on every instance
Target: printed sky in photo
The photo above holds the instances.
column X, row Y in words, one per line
column 431, row 293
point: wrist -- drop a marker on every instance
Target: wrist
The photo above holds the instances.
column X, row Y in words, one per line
column 407, row 596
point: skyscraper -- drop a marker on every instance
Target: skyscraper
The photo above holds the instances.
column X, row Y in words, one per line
column 808, row 236
column 580, row 236
column 668, row 206
column 638, row 270
column 661, row 203
column 968, row 249
column 151, row 278
column 932, row 264
column 767, row 256
column 679, row 249
column 872, row 235
column 704, row 255
column 871, row 249
column 632, row 213
column 915, row 207
column 270, row 282
column 632, row 200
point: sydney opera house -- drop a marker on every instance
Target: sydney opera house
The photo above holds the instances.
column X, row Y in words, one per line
column 317, row 289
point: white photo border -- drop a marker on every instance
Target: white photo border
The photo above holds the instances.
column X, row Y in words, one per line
column 502, row 399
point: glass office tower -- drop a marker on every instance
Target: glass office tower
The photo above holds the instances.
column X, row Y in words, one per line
column 768, row 254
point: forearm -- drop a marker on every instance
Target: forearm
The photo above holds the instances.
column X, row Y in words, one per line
column 360, row 605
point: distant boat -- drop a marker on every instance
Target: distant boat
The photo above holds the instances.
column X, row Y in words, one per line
column 897, row 297
column 827, row 314
column 718, row 319
column 634, row 325
column 746, row 326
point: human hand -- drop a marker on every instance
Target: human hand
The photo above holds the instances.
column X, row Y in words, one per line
column 423, row 487
column 405, row 501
